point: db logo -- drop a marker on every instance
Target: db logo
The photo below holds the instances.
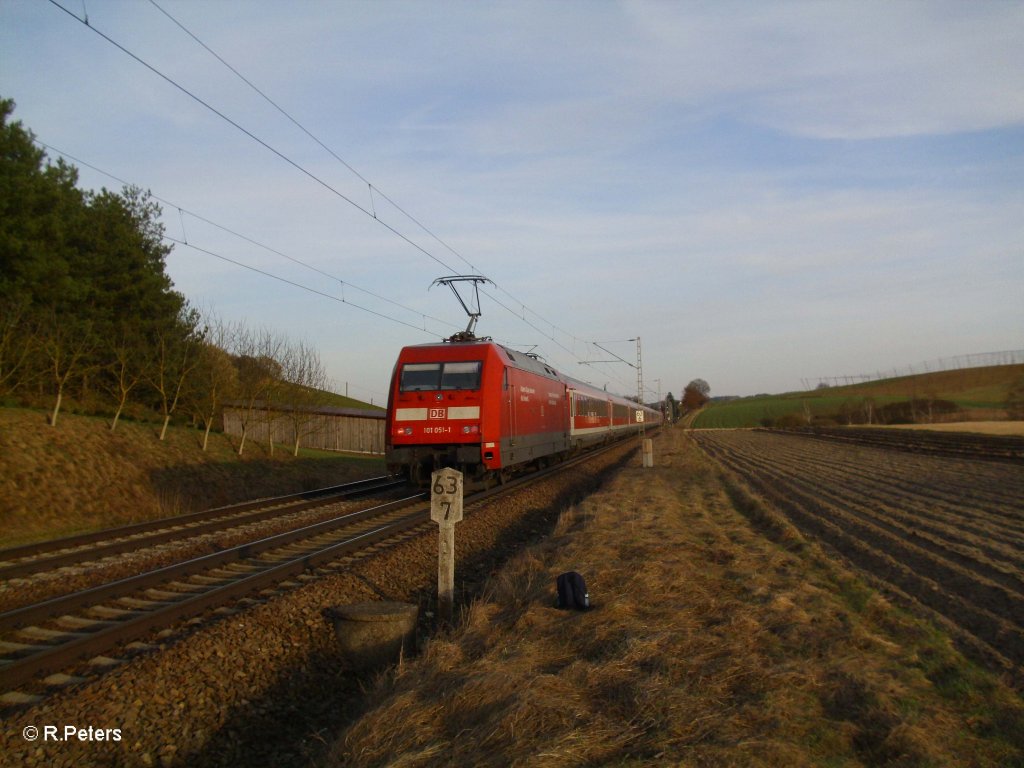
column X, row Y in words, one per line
column 437, row 413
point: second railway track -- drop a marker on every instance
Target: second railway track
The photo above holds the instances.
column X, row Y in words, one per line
column 51, row 635
column 62, row 633
column 25, row 560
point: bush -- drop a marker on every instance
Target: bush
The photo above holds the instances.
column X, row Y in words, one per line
column 790, row 421
column 915, row 411
column 1015, row 401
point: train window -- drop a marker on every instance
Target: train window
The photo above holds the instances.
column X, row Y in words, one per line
column 461, row 376
column 420, row 376
column 417, row 377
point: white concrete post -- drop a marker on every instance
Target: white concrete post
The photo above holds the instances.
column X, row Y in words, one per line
column 446, row 511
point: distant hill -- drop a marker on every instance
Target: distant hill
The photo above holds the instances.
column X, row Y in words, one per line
column 333, row 400
column 957, row 395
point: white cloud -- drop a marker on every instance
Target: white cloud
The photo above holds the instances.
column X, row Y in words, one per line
column 842, row 70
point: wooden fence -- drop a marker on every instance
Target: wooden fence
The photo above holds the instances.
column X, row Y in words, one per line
column 326, row 429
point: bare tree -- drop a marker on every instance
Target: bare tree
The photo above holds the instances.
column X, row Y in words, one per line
column 127, row 369
column 17, row 334
column 869, row 410
column 65, row 345
column 931, row 395
column 175, row 358
column 215, row 378
column 276, row 389
column 846, row 412
column 256, row 356
column 304, row 382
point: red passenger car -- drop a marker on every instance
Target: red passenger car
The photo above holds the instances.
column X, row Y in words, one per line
column 486, row 410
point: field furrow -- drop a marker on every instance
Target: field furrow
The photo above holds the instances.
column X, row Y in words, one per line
column 868, row 524
column 931, row 481
column 914, row 522
column 964, row 537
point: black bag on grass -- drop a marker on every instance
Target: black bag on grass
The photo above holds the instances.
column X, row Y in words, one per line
column 572, row 592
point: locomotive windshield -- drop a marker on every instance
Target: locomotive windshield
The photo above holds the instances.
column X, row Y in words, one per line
column 417, row 377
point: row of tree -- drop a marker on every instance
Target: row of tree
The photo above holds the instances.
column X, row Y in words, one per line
column 865, row 410
column 256, row 369
column 82, row 278
column 87, row 309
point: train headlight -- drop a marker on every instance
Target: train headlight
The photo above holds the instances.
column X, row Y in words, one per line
column 470, row 429
column 403, row 431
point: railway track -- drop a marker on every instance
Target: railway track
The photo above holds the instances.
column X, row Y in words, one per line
column 49, row 636
column 19, row 562
column 60, row 635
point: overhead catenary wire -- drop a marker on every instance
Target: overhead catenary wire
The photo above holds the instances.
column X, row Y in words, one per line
column 370, row 185
column 254, row 137
column 184, row 241
column 263, row 272
column 371, row 213
column 373, row 188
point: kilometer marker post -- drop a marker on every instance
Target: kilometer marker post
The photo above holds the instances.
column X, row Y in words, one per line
column 446, row 511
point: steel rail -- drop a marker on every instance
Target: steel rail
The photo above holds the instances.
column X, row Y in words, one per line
column 33, row 559
column 20, row 617
column 53, row 658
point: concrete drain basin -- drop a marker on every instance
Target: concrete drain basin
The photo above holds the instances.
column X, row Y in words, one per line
column 374, row 634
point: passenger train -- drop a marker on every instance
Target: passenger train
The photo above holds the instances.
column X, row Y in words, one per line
column 488, row 411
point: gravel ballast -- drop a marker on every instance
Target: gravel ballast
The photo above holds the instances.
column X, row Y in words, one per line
column 265, row 684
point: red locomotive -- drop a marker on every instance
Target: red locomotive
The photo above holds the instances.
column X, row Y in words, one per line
column 487, row 410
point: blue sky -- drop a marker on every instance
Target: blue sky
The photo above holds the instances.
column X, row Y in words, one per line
column 763, row 192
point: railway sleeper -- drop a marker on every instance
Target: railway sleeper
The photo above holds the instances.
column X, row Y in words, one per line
column 140, row 647
column 239, row 568
column 183, row 586
column 11, row 648
column 163, row 596
column 60, row 679
column 144, row 605
column 49, row 636
column 105, row 661
column 79, row 622
column 110, row 612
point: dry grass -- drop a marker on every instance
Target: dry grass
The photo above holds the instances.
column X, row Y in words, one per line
column 986, row 384
column 55, row 481
column 719, row 637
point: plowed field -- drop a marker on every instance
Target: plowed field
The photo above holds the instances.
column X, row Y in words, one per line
column 946, row 533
